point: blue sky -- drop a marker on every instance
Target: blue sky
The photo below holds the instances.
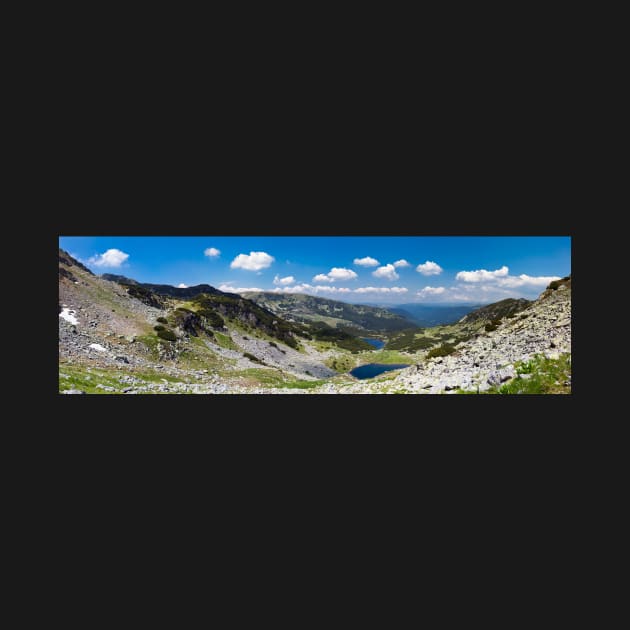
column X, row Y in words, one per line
column 368, row 269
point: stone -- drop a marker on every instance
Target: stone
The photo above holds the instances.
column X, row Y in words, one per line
column 73, row 391
column 500, row 376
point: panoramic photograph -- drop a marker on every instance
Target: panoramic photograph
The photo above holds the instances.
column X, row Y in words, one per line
column 315, row 315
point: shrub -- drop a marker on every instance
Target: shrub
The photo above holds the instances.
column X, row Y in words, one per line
column 444, row 350
column 166, row 334
column 213, row 318
column 251, row 357
column 554, row 285
column 271, row 343
column 525, row 316
column 490, row 327
column 162, row 320
column 159, row 328
column 462, row 339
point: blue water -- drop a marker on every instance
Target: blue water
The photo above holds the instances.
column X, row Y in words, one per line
column 377, row 343
column 374, row 369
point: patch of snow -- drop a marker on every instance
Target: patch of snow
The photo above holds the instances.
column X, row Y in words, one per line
column 69, row 316
column 97, row 346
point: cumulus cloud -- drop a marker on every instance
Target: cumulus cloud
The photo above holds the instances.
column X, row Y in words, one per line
column 431, row 291
column 502, row 278
column 524, row 280
column 368, row 261
column 429, row 268
column 381, row 290
column 482, row 275
column 309, row 288
column 283, row 281
column 182, row 286
column 110, row 258
column 402, row 263
column 211, row 252
column 298, row 288
column 228, row 288
column 386, row 271
column 325, row 289
column 255, row 261
column 336, row 273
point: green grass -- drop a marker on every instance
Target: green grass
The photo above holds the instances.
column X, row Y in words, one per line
column 272, row 377
column 387, row 357
column 443, row 351
column 151, row 344
column 547, row 377
column 301, row 384
column 225, row 341
column 86, row 379
column 341, row 363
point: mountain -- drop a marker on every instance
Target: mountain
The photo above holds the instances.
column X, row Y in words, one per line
column 307, row 308
column 432, row 314
column 509, row 347
column 120, row 336
column 208, row 302
column 504, row 308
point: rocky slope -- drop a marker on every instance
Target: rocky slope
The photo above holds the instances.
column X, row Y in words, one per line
column 211, row 343
column 489, row 358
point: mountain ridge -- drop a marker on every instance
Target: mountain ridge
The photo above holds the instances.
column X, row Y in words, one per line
column 333, row 312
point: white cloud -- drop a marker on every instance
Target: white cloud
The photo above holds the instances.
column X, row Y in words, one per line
column 298, row 288
column 501, row 278
column 309, row 288
column 386, row 271
column 526, row 281
column 182, row 286
column 284, row 281
column 255, row 261
column 402, row 263
column 228, row 288
column 429, row 268
column 211, row 252
column 431, row 291
column 482, row 275
column 381, row 290
column 336, row 273
column 111, row 258
column 368, row 261
column 324, row 289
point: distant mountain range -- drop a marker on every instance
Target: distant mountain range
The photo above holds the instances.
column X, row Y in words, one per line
column 433, row 314
column 307, row 308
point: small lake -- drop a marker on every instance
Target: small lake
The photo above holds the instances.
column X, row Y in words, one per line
column 374, row 369
column 377, row 343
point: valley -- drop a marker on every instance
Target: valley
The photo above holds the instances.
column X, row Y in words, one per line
column 119, row 336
